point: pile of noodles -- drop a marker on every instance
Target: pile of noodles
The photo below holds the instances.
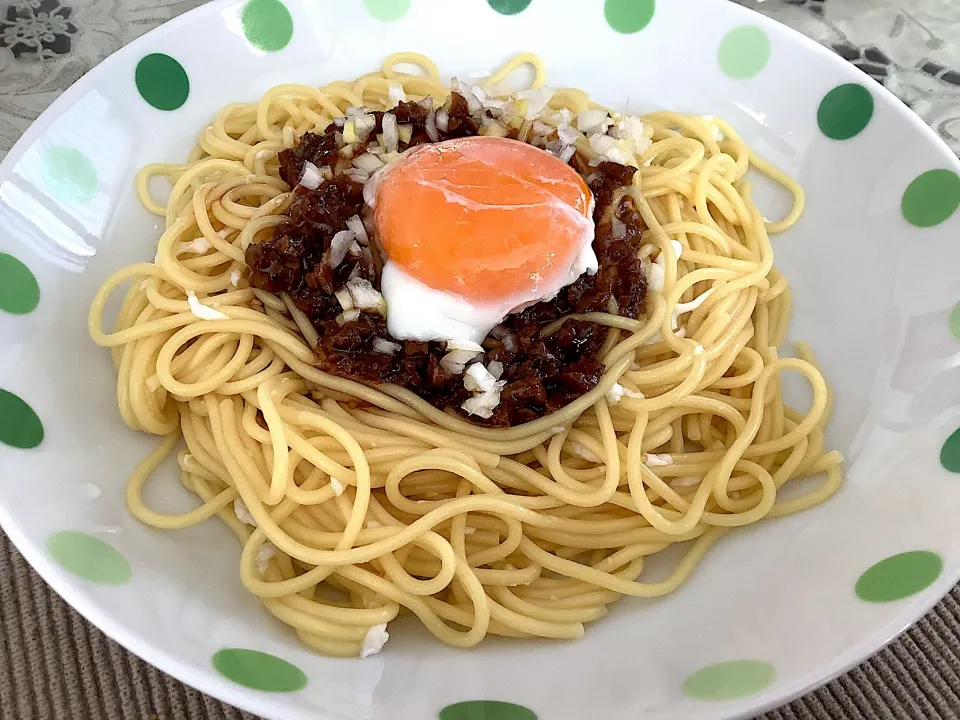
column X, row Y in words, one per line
column 353, row 502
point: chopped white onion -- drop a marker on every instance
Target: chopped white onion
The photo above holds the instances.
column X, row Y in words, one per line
column 396, row 94
column 365, row 296
column 467, row 92
column 243, row 512
column 339, row 245
column 358, row 176
column 567, row 135
column 717, row 132
column 609, row 148
column 492, row 128
column 655, row 274
column 654, row 460
column 618, row 228
column 540, row 128
column 347, row 316
column 602, row 144
column 431, row 127
column 478, row 379
column 496, row 368
column 367, row 163
column 406, row 132
column 486, row 389
column 568, row 152
column 618, row 392
column 592, row 120
column 265, row 553
column 359, row 230
column 506, row 336
column 311, row 177
column 364, row 123
column 456, row 360
column 198, row 246
column 582, row 451
column 391, row 133
column 202, row 311
column 536, row 101
column 483, row 403
column 384, row 346
column 343, row 297
column 460, row 352
column 631, row 128
column 370, row 188
column 473, row 347
column 443, row 120
column 374, row 640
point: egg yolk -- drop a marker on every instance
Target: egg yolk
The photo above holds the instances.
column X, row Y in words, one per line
column 484, row 218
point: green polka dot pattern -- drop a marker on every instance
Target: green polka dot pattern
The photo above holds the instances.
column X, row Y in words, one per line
column 744, row 52
column 69, row 175
column 19, row 291
column 89, row 558
column 629, row 16
column 509, row 7
column 899, row 576
column 955, row 321
column 729, row 680
column 950, row 453
column 931, row 198
column 162, row 81
column 267, row 24
column 486, row 710
column 259, row 670
column 19, row 425
column 845, row 111
column 387, row 10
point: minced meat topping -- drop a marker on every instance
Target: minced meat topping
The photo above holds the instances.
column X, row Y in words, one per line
column 541, row 374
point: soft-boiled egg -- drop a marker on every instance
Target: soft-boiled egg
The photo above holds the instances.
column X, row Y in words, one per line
column 474, row 229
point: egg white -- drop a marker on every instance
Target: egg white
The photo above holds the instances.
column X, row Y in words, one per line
column 416, row 311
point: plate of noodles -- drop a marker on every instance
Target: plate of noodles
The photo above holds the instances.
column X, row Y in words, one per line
column 598, row 355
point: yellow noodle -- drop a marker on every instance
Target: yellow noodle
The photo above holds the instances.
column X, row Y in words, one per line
column 366, row 500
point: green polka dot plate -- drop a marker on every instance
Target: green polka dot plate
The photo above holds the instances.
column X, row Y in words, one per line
column 773, row 610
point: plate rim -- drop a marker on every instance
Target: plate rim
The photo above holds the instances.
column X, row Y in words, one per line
column 263, row 704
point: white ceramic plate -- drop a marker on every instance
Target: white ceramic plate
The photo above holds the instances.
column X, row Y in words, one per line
column 774, row 610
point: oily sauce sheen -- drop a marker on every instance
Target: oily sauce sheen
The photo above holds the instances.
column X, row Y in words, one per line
column 542, row 374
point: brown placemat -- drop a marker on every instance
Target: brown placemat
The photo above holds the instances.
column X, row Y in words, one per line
column 54, row 665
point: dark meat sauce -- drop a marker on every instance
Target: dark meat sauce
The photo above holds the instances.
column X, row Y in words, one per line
column 542, row 374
